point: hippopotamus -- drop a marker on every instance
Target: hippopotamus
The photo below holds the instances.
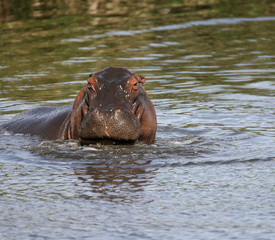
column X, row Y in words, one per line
column 113, row 106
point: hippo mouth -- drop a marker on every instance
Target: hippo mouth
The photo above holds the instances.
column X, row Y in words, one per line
column 120, row 127
column 105, row 141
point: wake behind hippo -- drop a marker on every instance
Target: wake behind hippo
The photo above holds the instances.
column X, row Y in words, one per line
column 113, row 106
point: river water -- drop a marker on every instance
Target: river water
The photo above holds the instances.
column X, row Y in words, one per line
column 210, row 172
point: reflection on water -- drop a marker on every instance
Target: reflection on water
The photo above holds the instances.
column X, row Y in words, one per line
column 26, row 9
column 114, row 181
column 183, row 182
column 210, row 74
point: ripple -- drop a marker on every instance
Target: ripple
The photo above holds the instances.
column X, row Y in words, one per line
column 78, row 60
column 172, row 27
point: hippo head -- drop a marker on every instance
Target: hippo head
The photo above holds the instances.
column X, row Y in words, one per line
column 113, row 106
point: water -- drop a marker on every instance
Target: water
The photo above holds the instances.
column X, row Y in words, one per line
column 210, row 173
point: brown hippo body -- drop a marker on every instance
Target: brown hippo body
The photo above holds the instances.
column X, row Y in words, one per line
column 113, row 106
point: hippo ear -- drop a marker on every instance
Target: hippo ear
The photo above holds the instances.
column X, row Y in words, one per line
column 141, row 79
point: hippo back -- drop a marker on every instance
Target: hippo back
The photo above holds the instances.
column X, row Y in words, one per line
column 43, row 121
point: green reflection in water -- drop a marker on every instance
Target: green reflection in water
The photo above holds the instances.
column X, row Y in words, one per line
column 50, row 58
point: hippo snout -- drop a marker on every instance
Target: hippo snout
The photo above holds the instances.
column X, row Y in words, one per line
column 112, row 124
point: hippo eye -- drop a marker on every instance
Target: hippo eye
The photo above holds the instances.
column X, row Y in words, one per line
column 135, row 86
column 92, row 83
column 90, row 86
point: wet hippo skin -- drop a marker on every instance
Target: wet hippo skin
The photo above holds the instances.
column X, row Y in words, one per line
column 113, row 106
